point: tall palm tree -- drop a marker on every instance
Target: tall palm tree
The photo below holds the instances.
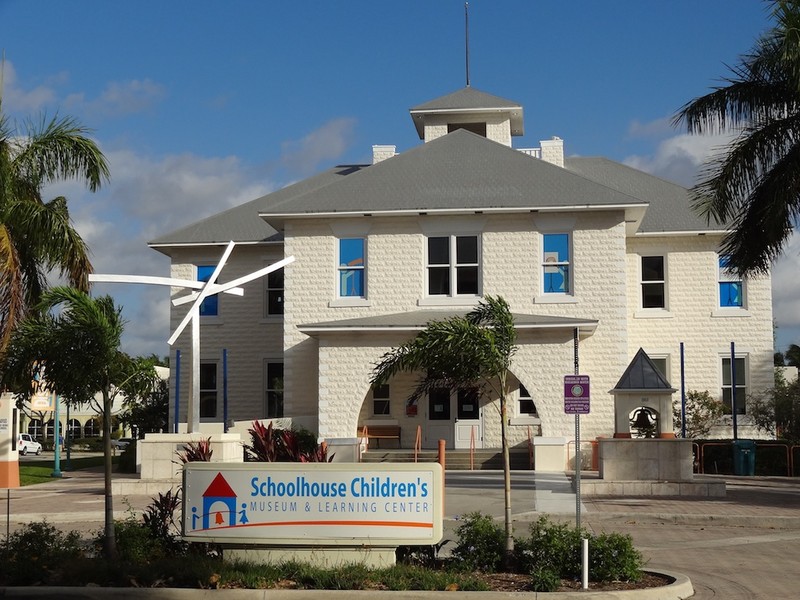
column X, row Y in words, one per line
column 37, row 236
column 71, row 342
column 753, row 186
column 463, row 352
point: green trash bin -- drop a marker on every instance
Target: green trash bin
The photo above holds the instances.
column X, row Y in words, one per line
column 744, row 457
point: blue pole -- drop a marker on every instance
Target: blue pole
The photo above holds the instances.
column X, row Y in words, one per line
column 683, row 396
column 733, row 392
column 225, row 389
column 177, row 390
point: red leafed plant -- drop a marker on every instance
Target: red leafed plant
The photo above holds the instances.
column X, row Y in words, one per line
column 199, row 451
column 268, row 444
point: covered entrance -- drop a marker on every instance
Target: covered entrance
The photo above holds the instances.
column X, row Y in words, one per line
column 454, row 416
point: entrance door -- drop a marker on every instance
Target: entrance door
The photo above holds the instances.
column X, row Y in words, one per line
column 468, row 425
column 440, row 419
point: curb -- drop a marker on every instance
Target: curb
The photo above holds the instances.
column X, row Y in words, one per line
column 760, row 522
column 680, row 589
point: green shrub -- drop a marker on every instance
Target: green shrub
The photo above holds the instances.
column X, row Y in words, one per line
column 612, row 557
column 481, row 543
column 551, row 547
column 33, row 552
column 545, row 579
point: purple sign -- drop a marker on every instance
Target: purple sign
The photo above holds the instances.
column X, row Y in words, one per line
column 576, row 394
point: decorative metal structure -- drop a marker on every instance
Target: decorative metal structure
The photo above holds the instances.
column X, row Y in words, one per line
column 201, row 290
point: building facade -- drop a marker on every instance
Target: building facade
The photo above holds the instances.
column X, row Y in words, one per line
column 581, row 248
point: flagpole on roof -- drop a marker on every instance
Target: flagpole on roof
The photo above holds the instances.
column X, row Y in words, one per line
column 466, row 38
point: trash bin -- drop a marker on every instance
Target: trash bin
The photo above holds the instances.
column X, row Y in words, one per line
column 744, row 457
column 344, row 449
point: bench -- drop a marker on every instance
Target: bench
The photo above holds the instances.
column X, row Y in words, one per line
column 379, row 432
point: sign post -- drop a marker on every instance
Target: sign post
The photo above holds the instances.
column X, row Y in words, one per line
column 576, row 402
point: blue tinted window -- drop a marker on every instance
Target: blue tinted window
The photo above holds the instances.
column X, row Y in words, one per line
column 556, row 263
column 209, row 306
column 351, row 267
column 731, row 288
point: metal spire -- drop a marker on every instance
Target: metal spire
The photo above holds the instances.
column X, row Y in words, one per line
column 466, row 37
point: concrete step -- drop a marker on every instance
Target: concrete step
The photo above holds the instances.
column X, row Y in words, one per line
column 455, row 459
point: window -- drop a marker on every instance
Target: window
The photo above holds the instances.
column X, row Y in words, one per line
column 352, row 264
column 35, row 428
column 555, row 263
column 731, row 288
column 380, row 400
column 275, row 293
column 274, row 389
column 453, row 265
column 208, row 390
column 476, row 128
column 439, row 404
column 660, row 363
column 92, row 428
column 740, row 378
column 526, row 405
column 210, row 306
column 653, row 288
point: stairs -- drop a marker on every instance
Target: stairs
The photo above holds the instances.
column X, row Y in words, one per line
column 455, row 460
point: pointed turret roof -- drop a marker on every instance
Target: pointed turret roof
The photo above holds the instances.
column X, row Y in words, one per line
column 468, row 100
column 643, row 376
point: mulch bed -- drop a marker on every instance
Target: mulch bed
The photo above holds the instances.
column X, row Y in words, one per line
column 514, row 582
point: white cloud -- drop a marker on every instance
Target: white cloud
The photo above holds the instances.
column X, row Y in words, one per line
column 327, row 143
column 16, row 99
column 119, row 98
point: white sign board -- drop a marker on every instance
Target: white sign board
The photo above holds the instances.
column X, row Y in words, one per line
column 312, row 503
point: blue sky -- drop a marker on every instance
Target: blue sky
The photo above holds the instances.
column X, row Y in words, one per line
column 202, row 105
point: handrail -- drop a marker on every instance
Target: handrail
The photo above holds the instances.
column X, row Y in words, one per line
column 703, row 450
column 418, row 442
column 472, row 448
column 365, row 433
column 530, row 450
column 788, row 459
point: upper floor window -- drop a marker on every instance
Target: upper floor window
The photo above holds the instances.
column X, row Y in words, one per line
column 352, row 267
column 739, row 377
column 654, row 294
column 453, row 265
column 380, row 400
column 731, row 287
column 274, row 293
column 210, row 306
column 556, row 263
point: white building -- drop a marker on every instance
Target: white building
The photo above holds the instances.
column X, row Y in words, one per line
column 582, row 244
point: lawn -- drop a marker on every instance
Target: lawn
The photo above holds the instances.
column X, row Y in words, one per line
column 40, row 471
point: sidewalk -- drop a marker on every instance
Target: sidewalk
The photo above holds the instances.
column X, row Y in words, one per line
column 743, row 546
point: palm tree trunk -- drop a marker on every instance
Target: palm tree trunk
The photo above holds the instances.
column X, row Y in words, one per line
column 110, row 540
column 509, row 556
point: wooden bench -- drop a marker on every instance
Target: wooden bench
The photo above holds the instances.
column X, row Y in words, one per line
column 379, row 432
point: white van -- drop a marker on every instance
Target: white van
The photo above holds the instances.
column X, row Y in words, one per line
column 26, row 444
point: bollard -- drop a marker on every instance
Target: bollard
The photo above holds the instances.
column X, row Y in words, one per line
column 441, row 461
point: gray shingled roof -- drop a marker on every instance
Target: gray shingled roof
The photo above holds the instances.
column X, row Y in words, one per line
column 669, row 209
column 459, row 171
column 242, row 223
column 642, row 375
column 418, row 320
column 469, row 99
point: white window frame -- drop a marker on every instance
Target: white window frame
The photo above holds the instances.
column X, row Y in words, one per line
column 667, row 366
column 454, row 265
column 663, row 282
column 215, row 390
column 548, row 262
column 268, row 390
column 725, row 276
column 382, row 394
column 340, row 268
column 741, row 390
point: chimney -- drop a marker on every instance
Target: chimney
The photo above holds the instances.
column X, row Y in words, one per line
column 382, row 152
column 553, row 151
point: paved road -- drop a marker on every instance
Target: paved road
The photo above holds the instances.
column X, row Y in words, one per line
column 743, row 546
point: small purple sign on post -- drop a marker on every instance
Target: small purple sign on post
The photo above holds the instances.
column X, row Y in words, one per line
column 576, row 394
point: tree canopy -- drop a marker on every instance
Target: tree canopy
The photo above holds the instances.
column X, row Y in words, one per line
column 753, row 185
column 37, row 236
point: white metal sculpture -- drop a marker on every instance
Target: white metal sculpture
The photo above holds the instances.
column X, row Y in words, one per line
column 204, row 289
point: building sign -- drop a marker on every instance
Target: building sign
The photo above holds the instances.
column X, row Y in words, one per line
column 312, row 503
column 576, row 394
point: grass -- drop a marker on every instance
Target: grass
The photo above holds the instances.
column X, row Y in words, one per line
column 40, row 471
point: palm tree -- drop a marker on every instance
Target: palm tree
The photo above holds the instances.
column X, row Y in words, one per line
column 71, row 342
column 463, row 352
column 754, row 185
column 37, row 236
